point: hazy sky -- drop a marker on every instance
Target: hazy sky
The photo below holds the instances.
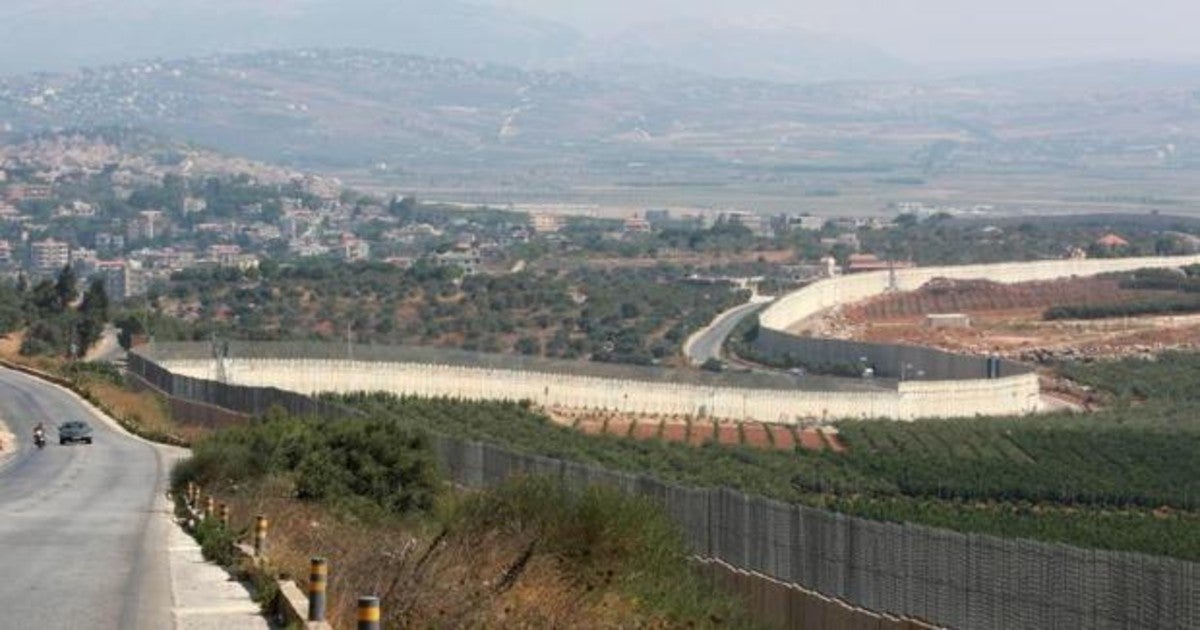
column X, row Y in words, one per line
column 943, row 31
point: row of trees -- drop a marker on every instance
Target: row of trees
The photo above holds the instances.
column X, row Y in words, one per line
column 1168, row 305
column 56, row 320
column 622, row 315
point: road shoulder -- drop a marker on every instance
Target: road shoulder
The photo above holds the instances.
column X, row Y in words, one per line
column 205, row 595
column 8, row 444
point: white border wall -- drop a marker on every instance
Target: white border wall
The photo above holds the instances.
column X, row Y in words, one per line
column 825, row 294
column 912, row 400
column 1012, row 395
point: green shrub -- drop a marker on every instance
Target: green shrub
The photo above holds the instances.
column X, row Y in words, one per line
column 370, row 459
column 216, row 542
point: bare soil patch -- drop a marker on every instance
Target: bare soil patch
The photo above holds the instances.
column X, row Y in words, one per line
column 1007, row 320
column 756, row 435
column 697, row 431
column 784, row 438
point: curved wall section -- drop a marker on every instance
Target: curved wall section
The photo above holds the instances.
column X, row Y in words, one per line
column 811, row 300
column 910, row 400
column 948, row 385
column 935, row 382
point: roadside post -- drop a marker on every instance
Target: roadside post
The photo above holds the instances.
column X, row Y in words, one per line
column 317, row 577
column 368, row 613
column 260, row 535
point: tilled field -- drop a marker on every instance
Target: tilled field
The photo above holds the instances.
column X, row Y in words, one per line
column 698, row 432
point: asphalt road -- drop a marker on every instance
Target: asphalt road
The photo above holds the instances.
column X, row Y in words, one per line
column 709, row 343
column 80, row 545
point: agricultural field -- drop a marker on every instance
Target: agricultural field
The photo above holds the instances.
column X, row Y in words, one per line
column 1109, row 316
column 699, row 431
column 1124, row 478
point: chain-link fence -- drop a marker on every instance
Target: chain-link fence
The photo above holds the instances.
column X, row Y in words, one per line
column 945, row 577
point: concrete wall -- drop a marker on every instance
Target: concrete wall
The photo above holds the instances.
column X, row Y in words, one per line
column 954, row 382
column 950, row 387
column 911, row 400
column 927, row 364
column 826, row 294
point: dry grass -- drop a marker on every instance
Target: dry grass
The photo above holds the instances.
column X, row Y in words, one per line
column 147, row 410
column 429, row 577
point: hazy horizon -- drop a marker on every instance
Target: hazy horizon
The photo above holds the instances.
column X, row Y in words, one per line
column 775, row 40
column 943, row 33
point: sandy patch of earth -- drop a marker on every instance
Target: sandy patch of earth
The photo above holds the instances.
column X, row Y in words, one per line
column 8, row 442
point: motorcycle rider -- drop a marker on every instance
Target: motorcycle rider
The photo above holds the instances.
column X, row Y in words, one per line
column 39, row 433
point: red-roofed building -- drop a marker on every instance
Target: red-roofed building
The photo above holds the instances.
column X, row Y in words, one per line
column 1112, row 241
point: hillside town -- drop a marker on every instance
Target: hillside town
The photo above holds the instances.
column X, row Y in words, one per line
column 134, row 217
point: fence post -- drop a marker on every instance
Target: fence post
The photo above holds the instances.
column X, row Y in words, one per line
column 260, row 535
column 368, row 613
column 316, row 589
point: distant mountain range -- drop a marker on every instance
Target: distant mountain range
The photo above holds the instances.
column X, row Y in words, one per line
column 56, row 35
column 354, row 108
column 762, row 51
column 64, row 34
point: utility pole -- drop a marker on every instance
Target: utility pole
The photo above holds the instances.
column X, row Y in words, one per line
column 220, row 353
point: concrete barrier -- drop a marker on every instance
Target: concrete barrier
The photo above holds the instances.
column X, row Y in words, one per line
column 795, row 307
column 953, row 385
column 910, row 400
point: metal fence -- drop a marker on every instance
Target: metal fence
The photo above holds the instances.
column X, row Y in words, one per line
column 779, row 604
column 945, row 577
column 255, row 401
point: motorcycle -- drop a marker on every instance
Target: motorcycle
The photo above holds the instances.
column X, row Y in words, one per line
column 39, row 438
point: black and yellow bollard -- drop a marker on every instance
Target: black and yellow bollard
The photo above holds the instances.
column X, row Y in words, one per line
column 368, row 613
column 224, row 516
column 317, row 579
column 260, row 535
